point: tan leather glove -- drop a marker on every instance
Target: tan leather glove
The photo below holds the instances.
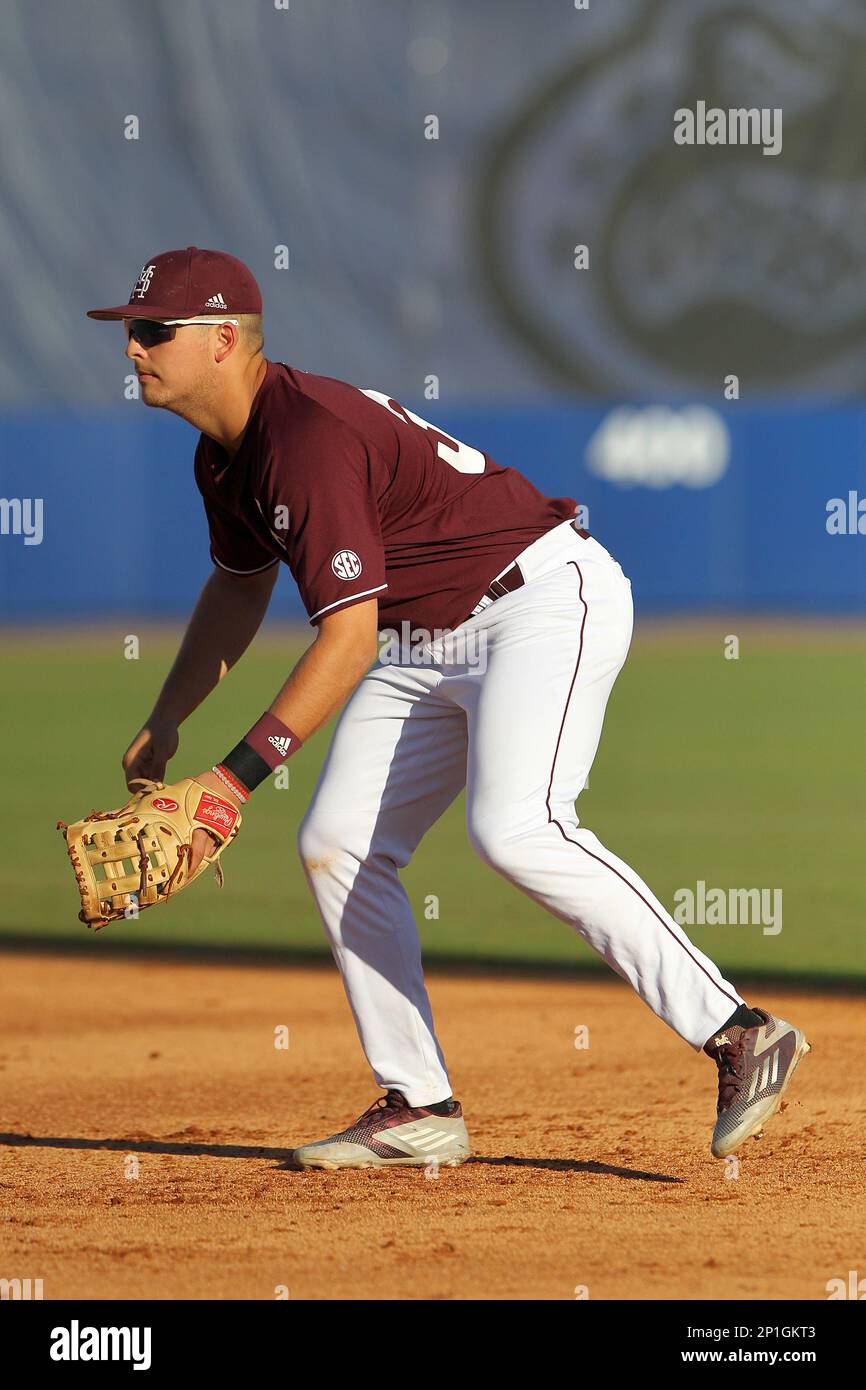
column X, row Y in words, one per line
column 140, row 853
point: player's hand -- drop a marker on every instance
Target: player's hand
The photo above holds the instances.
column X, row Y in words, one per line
column 150, row 750
column 202, row 842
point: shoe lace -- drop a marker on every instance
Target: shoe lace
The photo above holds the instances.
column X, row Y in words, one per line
column 392, row 1100
column 729, row 1058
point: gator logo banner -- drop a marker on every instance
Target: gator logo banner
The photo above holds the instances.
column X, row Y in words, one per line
column 703, row 259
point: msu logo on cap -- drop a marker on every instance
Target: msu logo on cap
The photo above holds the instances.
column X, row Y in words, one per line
column 142, row 284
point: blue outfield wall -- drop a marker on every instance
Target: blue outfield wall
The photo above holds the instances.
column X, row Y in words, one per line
column 124, row 530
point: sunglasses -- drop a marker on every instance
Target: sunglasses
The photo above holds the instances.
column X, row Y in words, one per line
column 150, row 332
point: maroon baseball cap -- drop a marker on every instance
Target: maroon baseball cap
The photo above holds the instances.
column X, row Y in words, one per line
column 186, row 284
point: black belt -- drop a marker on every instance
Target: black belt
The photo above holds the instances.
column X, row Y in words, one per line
column 513, row 579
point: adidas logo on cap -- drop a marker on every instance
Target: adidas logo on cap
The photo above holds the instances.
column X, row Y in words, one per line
column 216, row 301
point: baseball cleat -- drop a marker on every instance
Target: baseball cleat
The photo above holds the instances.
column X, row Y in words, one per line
column 390, row 1133
column 755, row 1068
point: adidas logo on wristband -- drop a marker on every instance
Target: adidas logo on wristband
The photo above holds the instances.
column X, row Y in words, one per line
column 281, row 744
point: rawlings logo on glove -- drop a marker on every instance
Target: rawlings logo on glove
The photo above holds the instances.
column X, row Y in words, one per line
column 139, row 855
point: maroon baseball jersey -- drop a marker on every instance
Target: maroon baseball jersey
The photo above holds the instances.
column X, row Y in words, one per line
column 361, row 499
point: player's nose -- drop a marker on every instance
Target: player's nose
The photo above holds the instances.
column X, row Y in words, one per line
column 135, row 354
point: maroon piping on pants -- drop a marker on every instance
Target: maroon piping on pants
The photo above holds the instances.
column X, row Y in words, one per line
column 552, row 821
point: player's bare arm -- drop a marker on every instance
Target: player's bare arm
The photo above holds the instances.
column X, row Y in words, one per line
column 224, row 622
column 329, row 669
column 319, row 685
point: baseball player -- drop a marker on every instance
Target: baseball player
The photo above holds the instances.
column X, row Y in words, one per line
column 505, row 624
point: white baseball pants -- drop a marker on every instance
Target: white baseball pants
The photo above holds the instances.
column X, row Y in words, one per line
column 520, row 729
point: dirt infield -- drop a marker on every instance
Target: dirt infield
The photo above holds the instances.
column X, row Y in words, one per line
column 592, row 1166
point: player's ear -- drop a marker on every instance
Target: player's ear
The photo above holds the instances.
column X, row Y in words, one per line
column 224, row 339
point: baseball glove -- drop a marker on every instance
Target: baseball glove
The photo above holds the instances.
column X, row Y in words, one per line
column 140, row 854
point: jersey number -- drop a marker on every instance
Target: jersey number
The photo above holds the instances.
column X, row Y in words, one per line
column 460, row 456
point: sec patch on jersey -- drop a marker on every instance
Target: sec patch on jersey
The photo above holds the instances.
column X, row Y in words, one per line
column 346, row 564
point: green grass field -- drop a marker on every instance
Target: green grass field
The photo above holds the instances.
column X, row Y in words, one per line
column 745, row 773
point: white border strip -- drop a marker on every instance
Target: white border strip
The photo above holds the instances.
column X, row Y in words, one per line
column 275, row 561
column 348, row 599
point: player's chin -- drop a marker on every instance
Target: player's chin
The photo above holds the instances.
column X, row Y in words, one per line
column 150, row 387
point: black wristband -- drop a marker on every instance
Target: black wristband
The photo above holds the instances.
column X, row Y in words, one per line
column 246, row 764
